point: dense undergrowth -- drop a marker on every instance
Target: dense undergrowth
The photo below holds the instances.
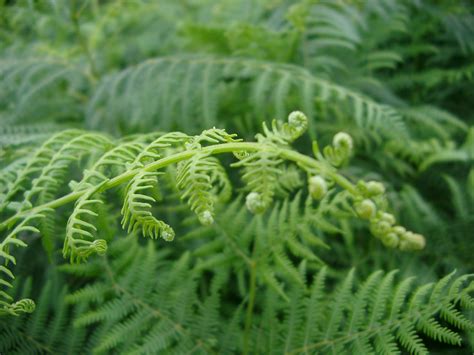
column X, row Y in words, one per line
column 344, row 226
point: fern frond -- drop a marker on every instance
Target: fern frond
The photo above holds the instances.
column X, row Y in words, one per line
column 416, row 152
column 43, row 331
column 136, row 208
column 465, row 153
column 137, row 316
column 385, row 317
column 18, row 135
column 6, row 275
column 154, row 150
column 34, row 165
column 202, row 181
column 261, row 172
column 30, row 88
column 247, row 273
column 268, row 80
column 112, row 163
column 79, row 242
column 197, row 178
column 52, row 174
column 432, row 120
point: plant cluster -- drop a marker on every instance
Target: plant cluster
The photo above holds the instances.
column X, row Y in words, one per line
column 134, row 220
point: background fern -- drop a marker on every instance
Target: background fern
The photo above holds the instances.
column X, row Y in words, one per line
column 396, row 75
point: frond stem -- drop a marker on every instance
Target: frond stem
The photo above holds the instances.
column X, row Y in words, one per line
column 250, row 305
column 285, row 153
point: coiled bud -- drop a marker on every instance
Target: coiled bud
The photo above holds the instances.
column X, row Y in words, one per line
column 99, row 246
column 205, row 218
column 167, row 233
column 418, row 242
column 365, row 209
column 387, row 217
column 298, row 123
column 375, row 188
column 412, row 241
column 25, row 305
column 390, row 240
column 381, row 228
column 255, row 203
column 399, row 230
column 342, row 140
column 317, row 187
column 340, row 151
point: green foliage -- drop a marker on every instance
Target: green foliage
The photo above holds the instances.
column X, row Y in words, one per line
column 205, row 81
column 264, row 245
column 380, row 317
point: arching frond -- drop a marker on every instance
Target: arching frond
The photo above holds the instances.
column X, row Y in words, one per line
column 7, row 306
column 30, row 89
column 287, row 86
column 34, row 165
column 137, row 204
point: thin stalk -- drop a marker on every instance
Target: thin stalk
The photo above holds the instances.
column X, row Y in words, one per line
column 288, row 154
column 250, row 306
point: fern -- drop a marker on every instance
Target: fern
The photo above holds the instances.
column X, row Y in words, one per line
column 378, row 319
column 135, row 208
column 143, row 322
column 29, row 87
column 383, row 317
column 12, row 240
column 268, row 81
column 18, row 135
column 266, row 228
column 43, row 331
column 199, row 177
column 41, row 157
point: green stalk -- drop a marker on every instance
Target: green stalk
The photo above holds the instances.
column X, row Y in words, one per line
column 250, row 306
column 288, row 154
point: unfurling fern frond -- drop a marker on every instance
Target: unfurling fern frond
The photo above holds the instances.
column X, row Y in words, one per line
column 196, row 178
column 212, row 136
column 137, row 204
column 202, row 181
column 112, row 163
column 6, row 258
column 284, row 133
column 79, row 242
column 262, row 170
column 156, row 148
column 202, row 178
column 52, row 176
